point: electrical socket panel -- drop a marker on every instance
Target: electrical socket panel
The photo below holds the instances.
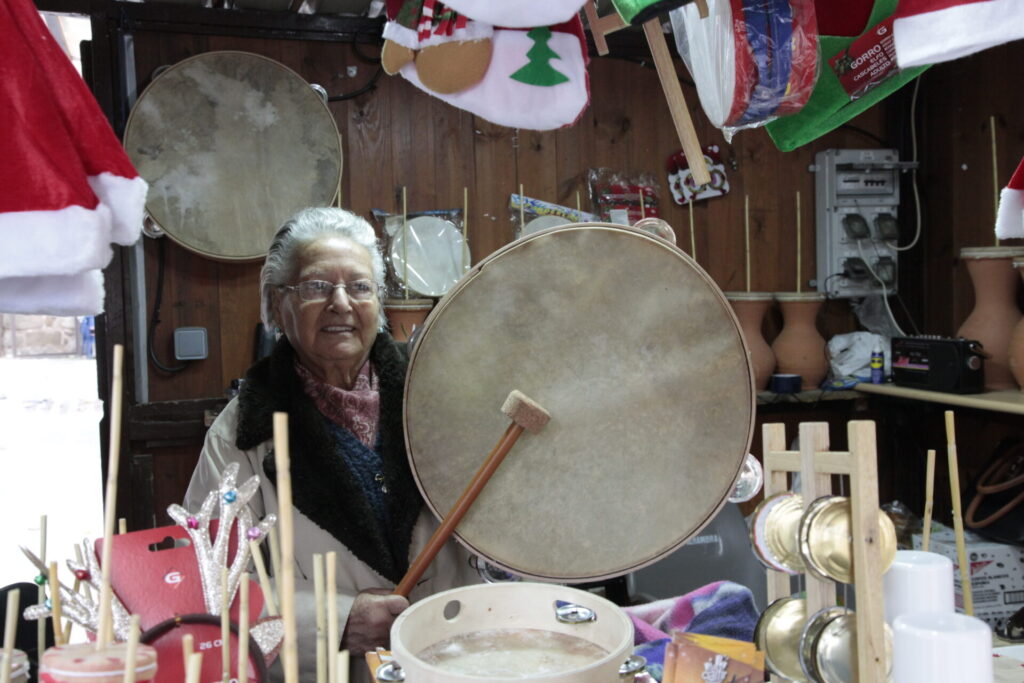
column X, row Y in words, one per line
column 856, row 201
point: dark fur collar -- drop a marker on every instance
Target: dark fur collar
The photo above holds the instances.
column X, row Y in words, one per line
column 323, row 488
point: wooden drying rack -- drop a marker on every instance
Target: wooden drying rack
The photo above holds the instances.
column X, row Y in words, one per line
column 816, row 465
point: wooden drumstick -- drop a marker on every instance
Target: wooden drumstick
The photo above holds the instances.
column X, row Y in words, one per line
column 929, row 497
column 525, row 414
column 958, row 520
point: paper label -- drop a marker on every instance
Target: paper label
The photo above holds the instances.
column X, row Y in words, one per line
column 869, row 60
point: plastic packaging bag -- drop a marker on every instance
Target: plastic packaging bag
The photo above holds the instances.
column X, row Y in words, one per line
column 425, row 254
column 623, row 198
column 530, row 215
column 752, row 66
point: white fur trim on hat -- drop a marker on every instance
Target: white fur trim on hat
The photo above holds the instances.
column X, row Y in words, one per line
column 126, row 199
column 60, row 242
column 78, row 294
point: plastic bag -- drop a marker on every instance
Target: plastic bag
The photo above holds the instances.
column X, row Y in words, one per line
column 530, row 215
column 623, row 198
column 425, row 254
column 752, row 68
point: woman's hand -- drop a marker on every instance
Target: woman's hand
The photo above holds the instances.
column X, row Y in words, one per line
column 369, row 622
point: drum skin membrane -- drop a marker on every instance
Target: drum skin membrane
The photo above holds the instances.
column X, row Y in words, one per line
column 638, row 357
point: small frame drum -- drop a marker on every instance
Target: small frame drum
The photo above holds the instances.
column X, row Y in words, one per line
column 638, row 357
column 232, row 144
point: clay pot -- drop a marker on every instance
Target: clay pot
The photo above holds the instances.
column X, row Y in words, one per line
column 750, row 308
column 1017, row 338
column 405, row 315
column 995, row 311
column 800, row 348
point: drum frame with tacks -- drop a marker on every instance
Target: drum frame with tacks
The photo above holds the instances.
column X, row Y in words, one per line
column 232, row 144
column 639, row 359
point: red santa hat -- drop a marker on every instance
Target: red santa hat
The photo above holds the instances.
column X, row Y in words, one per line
column 933, row 31
column 1010, row 218
column 67, row 188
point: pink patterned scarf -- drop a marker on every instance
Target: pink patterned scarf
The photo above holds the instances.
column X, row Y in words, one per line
column 356, row 409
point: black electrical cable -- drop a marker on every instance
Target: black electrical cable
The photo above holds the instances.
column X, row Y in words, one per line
column 370, row 85
column 868, row 133
column 910, row 318
column 155, row 318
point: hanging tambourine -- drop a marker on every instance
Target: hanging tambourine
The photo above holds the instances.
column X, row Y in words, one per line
column 752, row 60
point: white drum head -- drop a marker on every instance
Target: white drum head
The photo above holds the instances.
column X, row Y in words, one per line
column 429, row 255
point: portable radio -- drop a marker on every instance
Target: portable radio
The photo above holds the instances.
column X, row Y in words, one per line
column 939, row 364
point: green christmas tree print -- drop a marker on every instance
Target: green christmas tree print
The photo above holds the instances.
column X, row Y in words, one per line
column 538, row 71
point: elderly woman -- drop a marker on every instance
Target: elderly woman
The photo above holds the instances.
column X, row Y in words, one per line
column 340, row 376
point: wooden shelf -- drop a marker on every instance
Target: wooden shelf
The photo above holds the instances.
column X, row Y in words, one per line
column 765, row 398
column 1009, row 401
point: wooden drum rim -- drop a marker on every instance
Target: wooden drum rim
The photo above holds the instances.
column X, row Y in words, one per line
column 174, row 229
column 451, row 424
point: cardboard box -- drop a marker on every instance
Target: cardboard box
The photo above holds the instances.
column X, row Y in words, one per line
column 997, row 573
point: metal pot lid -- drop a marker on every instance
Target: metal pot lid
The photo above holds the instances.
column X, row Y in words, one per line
column 638, row 357
column 777, row 635
column 826, row 539
column 835, row 650
column 809, row 637
column 775, row 510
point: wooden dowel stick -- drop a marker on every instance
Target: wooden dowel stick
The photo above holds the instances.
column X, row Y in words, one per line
column 693, row 233
column 105, row 632
column 275, row 560
column 243, row 630
column 929, row 498
column 10, row 629
column 522, row 208
column 122, row 525
column 405, row 244
column 465, row 227
column 261, row 573
column 578, row 209
column 676, row 101
column 286, row 583
column 746, row 236
column 187, row 648
column 55, row 605
column 333, row 640
column 131, row 651
column 643, row 212
column 342, row 667
column 459, row 510
column 195, row 667
column 995, row 172
column 225, row 628
column 798, row 255
column 321, row 617
column 41, row 592
column 958, row 521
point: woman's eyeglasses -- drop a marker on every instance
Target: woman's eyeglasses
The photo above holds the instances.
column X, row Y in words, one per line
column 321, row 290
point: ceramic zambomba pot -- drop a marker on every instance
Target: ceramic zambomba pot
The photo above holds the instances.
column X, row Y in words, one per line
column 800, row 348
column 995, row 312
column 750, row 308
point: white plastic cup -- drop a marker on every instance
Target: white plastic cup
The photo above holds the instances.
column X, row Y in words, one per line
column 918, row 582
column 941, row 648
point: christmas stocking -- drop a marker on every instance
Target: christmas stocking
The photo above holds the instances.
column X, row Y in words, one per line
column 519, row 13
column 450, row 51
column 536, row 79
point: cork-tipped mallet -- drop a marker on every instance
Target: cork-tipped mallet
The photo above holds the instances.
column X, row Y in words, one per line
column 525, row 413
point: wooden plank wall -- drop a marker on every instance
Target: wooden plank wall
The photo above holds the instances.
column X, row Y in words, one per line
column 398, row 136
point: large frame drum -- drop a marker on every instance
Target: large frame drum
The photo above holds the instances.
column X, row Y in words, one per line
column 232, row 144
column 638, row 357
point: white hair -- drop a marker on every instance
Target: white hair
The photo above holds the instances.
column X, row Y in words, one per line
column 302, row 229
